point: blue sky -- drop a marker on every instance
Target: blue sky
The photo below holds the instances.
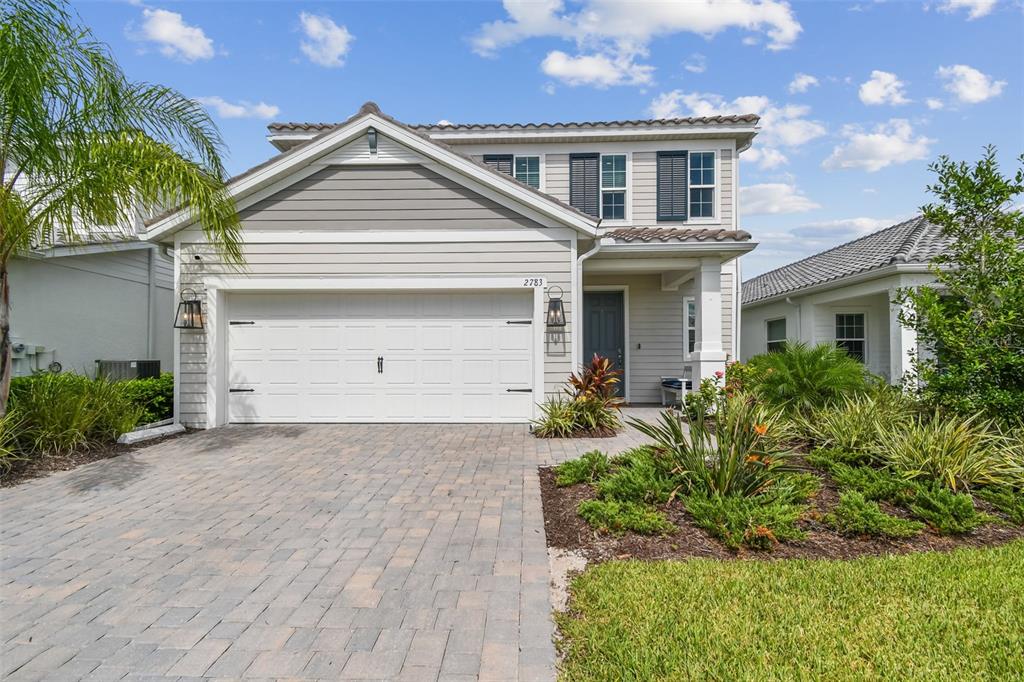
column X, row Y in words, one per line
column 856, row 98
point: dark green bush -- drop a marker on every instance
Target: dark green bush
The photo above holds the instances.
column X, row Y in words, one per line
column 1006, row 500
column 857, row 515
column 586, row 468
column 794, row 488
column 874, row 484
column 827, row 458
column 756, row 522
column 619, row 517
column 800, row 378
column 154, row 395
column 637, row 478
column 947, row 512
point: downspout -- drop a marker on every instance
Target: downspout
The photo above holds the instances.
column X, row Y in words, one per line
column 737, row 308
column 151, row 306
column 577, row 314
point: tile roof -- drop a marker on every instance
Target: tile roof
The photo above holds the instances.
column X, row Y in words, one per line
column 291, row 126
column 675, row 234
column 915, row 241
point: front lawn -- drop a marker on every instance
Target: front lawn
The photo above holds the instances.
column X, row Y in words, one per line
column 956, row 615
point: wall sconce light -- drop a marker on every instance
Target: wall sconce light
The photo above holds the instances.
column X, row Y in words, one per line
column 556, row 312
column 371, row 137
column 190, row 311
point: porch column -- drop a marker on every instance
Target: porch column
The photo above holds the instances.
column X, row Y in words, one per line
column 708, row 356
column 902, row 342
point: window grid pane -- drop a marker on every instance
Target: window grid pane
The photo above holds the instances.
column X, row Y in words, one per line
column 613, row 205
column 702, row 169
column 613, row 170
column 691, row 325
column 702, row 203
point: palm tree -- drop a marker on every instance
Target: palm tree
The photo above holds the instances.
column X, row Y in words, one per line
column 81, row 146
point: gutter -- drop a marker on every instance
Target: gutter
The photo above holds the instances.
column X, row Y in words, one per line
column 856, row 278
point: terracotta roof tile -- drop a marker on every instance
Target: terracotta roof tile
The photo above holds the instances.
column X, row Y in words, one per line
column 676, row 234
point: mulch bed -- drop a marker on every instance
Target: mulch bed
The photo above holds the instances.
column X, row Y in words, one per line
column 566, row 530
column 44, row 465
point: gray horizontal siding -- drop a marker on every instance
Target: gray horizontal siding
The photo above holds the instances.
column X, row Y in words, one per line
column 556, row 169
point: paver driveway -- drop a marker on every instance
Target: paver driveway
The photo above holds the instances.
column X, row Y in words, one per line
column 313, row 552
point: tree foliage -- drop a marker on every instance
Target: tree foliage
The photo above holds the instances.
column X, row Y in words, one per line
column 972, row 317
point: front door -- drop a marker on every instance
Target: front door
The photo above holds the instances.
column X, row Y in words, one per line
column 604, row 329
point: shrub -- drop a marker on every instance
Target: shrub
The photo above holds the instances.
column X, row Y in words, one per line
column 795, row 488
column 947, row 512
column 10, row 428
column 558, row 419
column 857, row 515
column 756, row 522
column 618, row 517
column 154, row 395
column 62, row 412
column 851, row 425
column 586, row 468
column 827, row 458
column 800, row 378
column 637, row 478
column 874, row 484
column 959, row 452
column 597, row 380
column 591, row 407
column 1006, row 500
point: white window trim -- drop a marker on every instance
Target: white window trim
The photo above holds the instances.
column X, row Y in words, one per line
column 785, row 338
column 540, row 168
column 687, row 300
column 715, row 208
column 624, row 288
column 867, row 355
column 601, row 189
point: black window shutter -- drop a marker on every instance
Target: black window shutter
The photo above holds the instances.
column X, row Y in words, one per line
column 584, row 183
column 499, row 162
column 672, row 186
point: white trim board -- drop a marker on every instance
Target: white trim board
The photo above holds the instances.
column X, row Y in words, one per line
column 550, row 234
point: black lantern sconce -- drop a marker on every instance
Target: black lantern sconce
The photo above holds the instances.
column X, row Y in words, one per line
column 190, row 311
column 556, row 312
column 371, row 138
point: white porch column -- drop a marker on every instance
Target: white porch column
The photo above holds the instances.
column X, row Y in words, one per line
column 708, row 356
column 902, row 342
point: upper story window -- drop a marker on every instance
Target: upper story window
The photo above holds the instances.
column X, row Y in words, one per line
column 527, row 170
column 702, row 185
column 613, row 186
column 686, row 185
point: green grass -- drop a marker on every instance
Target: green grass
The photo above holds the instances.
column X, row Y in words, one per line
column 920, row 616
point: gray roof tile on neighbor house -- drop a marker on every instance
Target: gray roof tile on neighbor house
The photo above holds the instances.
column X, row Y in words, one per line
column 915, row 241
column 675, row 234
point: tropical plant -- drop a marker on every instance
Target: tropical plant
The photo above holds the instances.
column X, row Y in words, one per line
column 857, row 515
column 599, row 379
column 562, row 418
column 82, row 146
column 851, row 425
column 586, row 468
column 971, row 317
column 800, row 378
column 618, row 517
column 700, row 404
column 756, row 523
column 10, row 429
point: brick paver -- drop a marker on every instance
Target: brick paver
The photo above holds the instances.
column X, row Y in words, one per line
column 306, row 552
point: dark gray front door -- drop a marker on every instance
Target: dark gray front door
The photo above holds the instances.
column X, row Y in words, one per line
column 604, row 328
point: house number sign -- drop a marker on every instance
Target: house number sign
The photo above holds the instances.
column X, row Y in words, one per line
column 533, row 282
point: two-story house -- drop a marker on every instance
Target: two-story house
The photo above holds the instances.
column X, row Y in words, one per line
column 461, row 272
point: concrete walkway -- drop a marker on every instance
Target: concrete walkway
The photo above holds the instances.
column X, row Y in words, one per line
column 410, row 552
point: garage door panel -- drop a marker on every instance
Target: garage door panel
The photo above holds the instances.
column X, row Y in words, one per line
column 437, row 372
column 359, row 337
column 360, row 371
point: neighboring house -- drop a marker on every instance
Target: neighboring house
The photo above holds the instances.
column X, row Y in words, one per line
column 405, row 273
column 845, row 296
column 106, row 300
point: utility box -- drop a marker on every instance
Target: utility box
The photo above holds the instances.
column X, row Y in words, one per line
column 127, row 369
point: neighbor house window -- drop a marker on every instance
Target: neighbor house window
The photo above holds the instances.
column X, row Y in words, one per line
column 528, row 170
column 689, row 325
column 499, row 162
column 850, row 334
column 776, row 332
column 702, row 184
column 613, row 187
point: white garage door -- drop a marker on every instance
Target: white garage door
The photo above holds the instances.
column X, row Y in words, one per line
column 366, row 357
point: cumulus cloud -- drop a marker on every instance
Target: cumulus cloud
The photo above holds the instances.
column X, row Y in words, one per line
column 934, row 103
column 240, row 109
column 843, row 229
column 975, row 8
column 772, row 198
column 766, row 157
column 802, row 82
column 969, row 85
column 326, row 42
column 444, row 122
column 886, row 144
column 172, row 36
column 883, row 88
column 610, row 35
column 697, row 63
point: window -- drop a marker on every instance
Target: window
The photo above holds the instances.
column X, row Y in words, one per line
column 528, row 170
column 613, row 187
column 702, row 185
column 671, row 185
column 850, row 334
column 776, row 334
column 499, row 162
column 689, row 325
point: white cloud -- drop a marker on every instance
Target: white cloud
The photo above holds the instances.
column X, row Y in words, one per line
column 611, row 33
column 975, row 8
column 241, row 109
column 883, row 88
column 697, row 63
column 774, row 198
column 934, row 103
column 801, row 82
column 598, row 70
column 969, row 85
column 549, row 88
column 327, row 43
column 444, row 122
column 765, row 157
column 842, row 229
column 173, row 37
column 886, row 144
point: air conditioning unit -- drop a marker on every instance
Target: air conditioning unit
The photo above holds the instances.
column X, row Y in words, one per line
column 127, row 369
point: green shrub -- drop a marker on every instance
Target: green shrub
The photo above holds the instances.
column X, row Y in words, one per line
column 10, row 428
column 62, row 412
column 947, row 512
column 827, row 458
column 586, row 468
column 1006, row 500
column 857, row 515
column 619, row 517
column 800, row 378
column 851, row 425
column 637, row 478
column 756, row 522
column 154, row 395
column 795, row 488
column 958, row 452
column 586, row 416
column 874, row 484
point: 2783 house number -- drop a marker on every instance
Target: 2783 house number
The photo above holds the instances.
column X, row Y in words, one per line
column 533, row 282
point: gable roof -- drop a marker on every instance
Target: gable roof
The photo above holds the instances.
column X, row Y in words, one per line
column 370, row 116
column 913, row 242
